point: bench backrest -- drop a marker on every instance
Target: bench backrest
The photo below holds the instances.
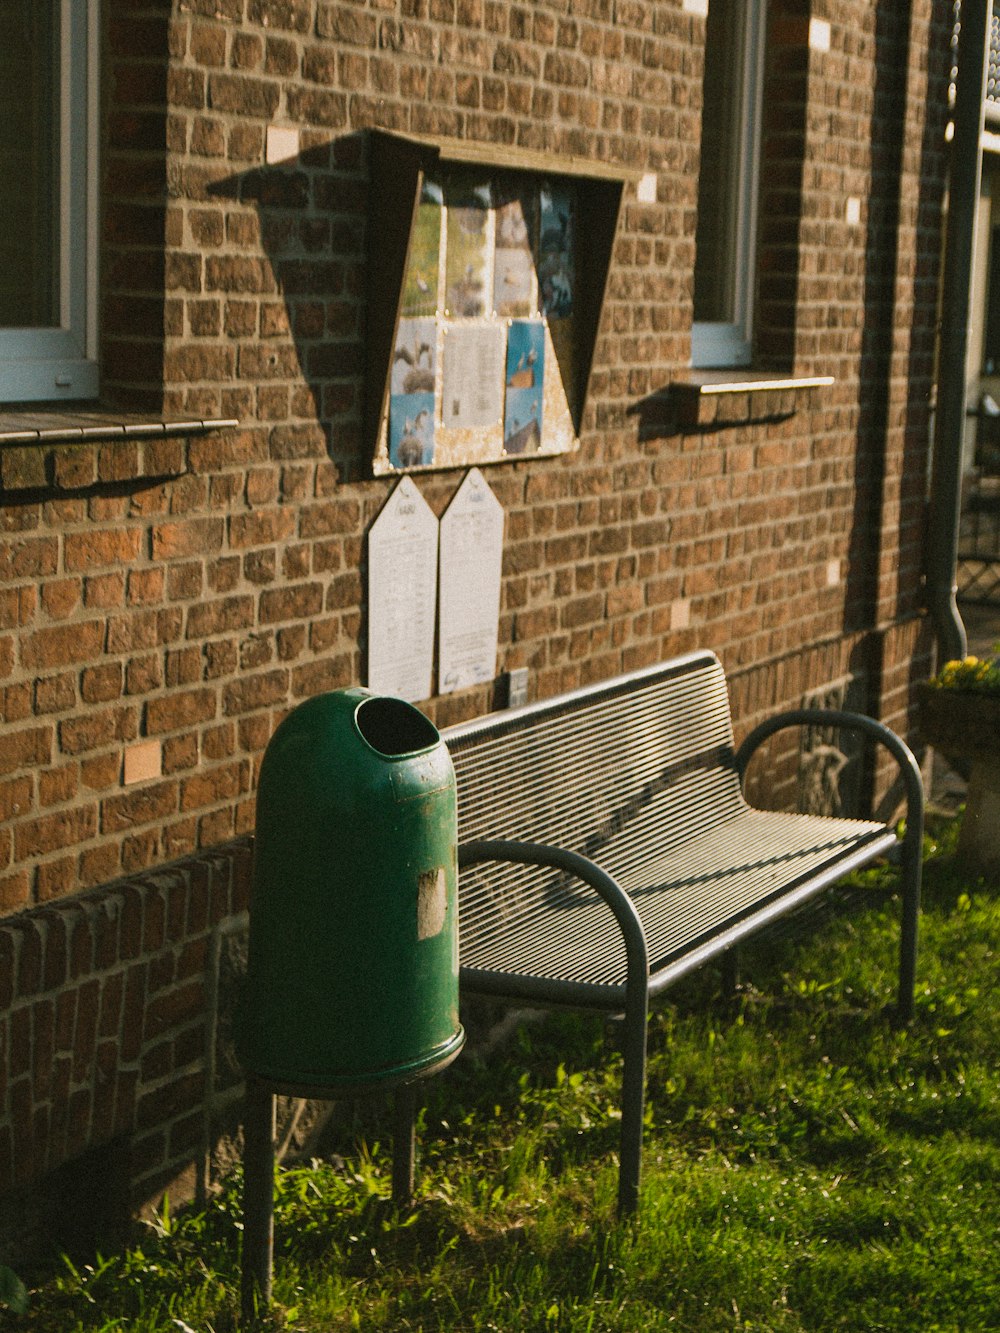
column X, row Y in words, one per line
column 591, row 768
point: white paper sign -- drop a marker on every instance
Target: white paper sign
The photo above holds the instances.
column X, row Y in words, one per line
column 472, row 395
column 470, row 561
column 402, row 578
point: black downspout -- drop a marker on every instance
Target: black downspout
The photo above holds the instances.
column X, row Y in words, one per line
column 949, row 421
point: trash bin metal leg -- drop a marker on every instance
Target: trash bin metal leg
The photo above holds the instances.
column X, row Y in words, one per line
column 731, row 972
column 404, row 1145
column 258, row 1198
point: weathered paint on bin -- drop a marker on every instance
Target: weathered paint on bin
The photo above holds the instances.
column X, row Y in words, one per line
column 352, row 976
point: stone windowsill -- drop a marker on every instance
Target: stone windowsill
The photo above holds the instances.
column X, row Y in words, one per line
column 108, row 447
column 717, row 397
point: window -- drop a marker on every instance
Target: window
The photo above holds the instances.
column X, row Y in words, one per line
column 727, row 185
column 48, row 196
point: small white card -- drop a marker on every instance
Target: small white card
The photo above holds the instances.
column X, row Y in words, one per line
column 402, row 584
column 470, row 564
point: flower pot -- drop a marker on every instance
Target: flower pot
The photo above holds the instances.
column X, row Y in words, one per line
column 965, row 726
column 963, row 723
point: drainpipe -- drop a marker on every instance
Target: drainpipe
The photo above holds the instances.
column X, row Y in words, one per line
column 949, row 420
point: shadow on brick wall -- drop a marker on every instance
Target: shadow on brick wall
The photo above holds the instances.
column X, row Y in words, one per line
column 302, row 297
column 880, row 420
column 135, row 233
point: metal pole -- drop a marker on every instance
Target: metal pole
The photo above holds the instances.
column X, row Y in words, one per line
column 404, row 1145
column 258, row 1199
column 949, row 420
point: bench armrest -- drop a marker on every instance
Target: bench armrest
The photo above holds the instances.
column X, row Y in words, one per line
column 559, row 858
column 909, row 769
column 636, row 985
column 911, row 851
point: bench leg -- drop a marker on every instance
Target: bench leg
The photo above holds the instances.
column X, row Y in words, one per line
column 633, row 1102
column 404, row 1146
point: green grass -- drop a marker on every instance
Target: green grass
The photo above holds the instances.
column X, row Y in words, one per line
column 807, row 1166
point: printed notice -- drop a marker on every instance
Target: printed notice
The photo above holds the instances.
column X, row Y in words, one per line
column 522, row 426
column 402, row 579
column 411, row 394
column 472, row 395
column 471, row 556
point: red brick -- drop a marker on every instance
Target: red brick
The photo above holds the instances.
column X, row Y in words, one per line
column 56, row 959
column 195, row 536
column 254, row 692
column 101, row 771
column 85, row 1043
column 143, row 674
column 65, row 1025
column 15, row 891
column 55, row 694
column 42, row 1047
column 19, row 1060
column 162, row 971
column 28, row 558
column 112, row 996
column 17, row 606
column 15, row 797
column 178, row 711
column 183, row 666
column 60, row 597
column 98, row 864
column 48, row 832
column 58, row 784
column 172, row 1008
column 222, row 783
column 101, row 683
column 97, row 729
column 15, row 703
column 152, row 803
column 298, row 602
column 104, row 591
column 218, row 616
column 63, row 645
column 86, row 551
column 26, row 749
column 262, row 527
column 134, row 1013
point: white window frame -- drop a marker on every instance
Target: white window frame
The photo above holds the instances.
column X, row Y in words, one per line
column 720, row 345
column 61, row 362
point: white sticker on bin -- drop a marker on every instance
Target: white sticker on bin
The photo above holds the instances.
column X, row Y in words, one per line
column 432, row 903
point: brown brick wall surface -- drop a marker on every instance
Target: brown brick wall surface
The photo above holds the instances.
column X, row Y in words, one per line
column 162, row 608
column 110, row 1033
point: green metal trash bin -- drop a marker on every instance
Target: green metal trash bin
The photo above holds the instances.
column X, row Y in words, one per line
column 352, row 972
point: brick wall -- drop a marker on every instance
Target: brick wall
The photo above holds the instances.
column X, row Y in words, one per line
column 160, row 608
column 110, row 1029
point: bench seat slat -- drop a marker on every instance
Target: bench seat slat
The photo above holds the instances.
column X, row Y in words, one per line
column 538, row 925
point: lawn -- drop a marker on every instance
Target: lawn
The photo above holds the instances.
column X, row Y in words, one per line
column 808, row 1166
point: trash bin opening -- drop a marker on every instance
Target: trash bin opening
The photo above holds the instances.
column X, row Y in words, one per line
column 394, row 727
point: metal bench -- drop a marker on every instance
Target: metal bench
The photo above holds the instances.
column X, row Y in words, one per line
column 606, row 850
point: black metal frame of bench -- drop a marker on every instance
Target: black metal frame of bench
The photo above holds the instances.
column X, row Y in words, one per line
column 556, row 903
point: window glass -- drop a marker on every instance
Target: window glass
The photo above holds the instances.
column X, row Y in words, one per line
column 727, row 184
column 48, row 199
column 29, row 152
column 721, row 161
